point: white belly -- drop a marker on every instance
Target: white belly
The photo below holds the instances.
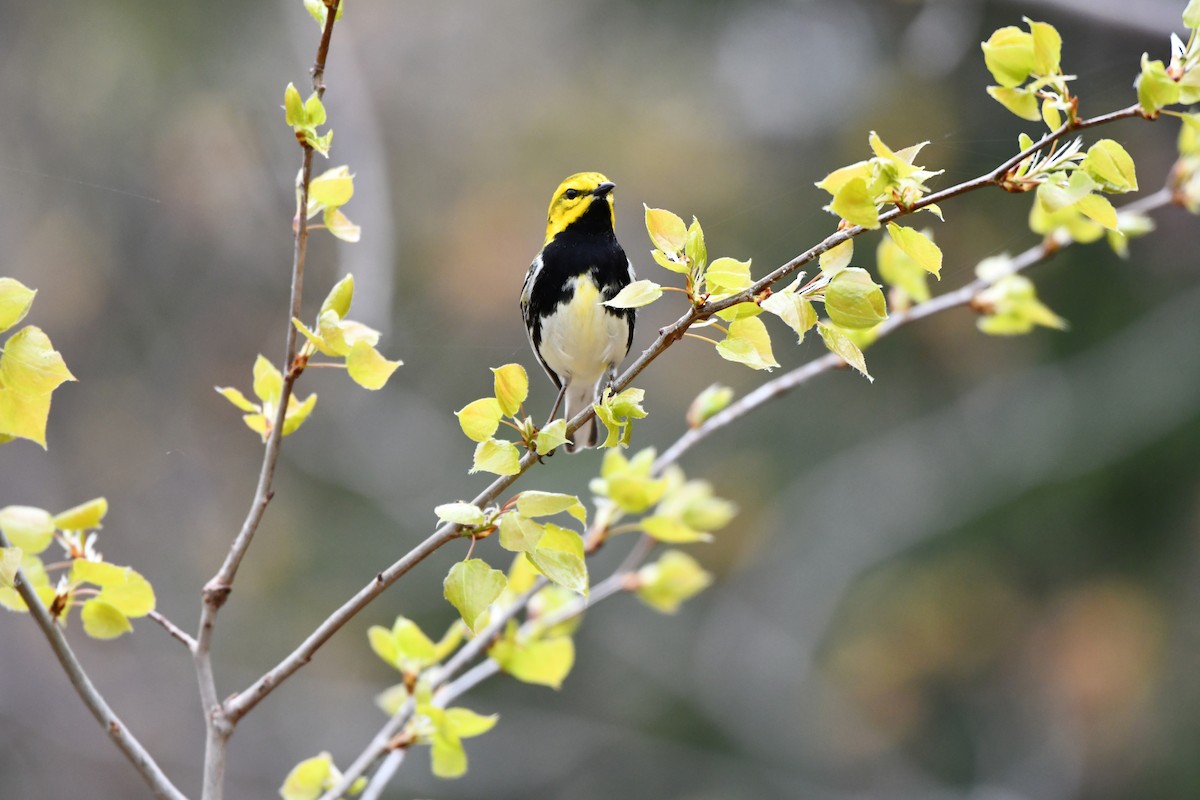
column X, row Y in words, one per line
column 581, row 339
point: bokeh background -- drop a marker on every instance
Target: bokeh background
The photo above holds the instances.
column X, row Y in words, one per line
column 978, row 577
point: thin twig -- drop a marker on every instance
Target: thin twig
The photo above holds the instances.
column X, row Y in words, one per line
column 174, row 630
column 218, row 724
column 124, row 739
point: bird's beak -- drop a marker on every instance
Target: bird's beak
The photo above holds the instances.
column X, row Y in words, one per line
column 603, row 189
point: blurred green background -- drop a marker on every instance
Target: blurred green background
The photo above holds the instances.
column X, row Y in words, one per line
column 977, row 577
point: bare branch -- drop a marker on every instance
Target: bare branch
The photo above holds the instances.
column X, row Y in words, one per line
column 125, row 741
column 174, row 630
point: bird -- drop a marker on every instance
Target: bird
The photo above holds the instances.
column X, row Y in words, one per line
column 579, row 340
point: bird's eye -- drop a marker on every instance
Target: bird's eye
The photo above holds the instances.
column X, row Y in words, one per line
column 571, row 194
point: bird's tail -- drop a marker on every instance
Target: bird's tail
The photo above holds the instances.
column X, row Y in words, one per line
column 579, row 397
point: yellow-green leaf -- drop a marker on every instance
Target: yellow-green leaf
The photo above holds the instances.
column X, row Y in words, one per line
column 675, row 577
column 268, row 381
column 121, row 587
column 466, row 723
column 480, row 418
column 1110, row 165
column 15, row 301
column 368, row 368
column 1156, row 89
column 545, row 662
column 84, row 516
column 1047, row 47
column 28, row 528
column 1097, row 207
column 511, row 384
column 559, row 556
column 839, row 344
column 293, row 107
column 727, row 276
column 672, row 530
column 1009, row 55
column 796, row 312
column 1021, row 102
column 552, row 436
column 237, row 398
column 919, row 247
column 853, row 203
column 496, row 457
column 544, row 504
column 854, row 301
column 339, row 298
column 103, row 621
column 749, row 343
column 694, row 247
column 10, row 564
column 899, row 270
column 338, row 224
column 298, row 412
column 837, row 257
column 834, row 181
column 519, row 534
column 635, row 295
column 667, row 231
column 308, row 779
column 711, row 401
column 330, row 189
column 471, row 587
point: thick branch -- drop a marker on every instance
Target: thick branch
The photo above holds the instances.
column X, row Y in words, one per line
column 125, row 741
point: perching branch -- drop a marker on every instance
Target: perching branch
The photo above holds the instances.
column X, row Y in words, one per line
column 619, row 580
column 667, row 336
column 128, row 744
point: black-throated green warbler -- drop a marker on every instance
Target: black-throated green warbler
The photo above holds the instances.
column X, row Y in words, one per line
column 578, row 339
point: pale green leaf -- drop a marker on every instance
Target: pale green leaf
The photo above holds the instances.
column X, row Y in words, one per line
column 471, row 587
column 121, row 587
column 15, row 301
column 900, row 271
column 460, row 513
column 1191, row 14
column 834, row 181
column 635, row 295
column 1156, row 89
column 671, row 261
column 293, row 107
column 1098, row 208
column 330, row 189
column 1047, row 47
column 10, row 564
column 338, row 224
column 694, row 247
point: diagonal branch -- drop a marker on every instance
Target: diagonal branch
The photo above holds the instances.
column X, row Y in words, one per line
column 125, row 741
column 252, row 695
column 617, row 581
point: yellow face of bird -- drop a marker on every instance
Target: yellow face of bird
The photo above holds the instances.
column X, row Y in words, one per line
column 573, row 197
